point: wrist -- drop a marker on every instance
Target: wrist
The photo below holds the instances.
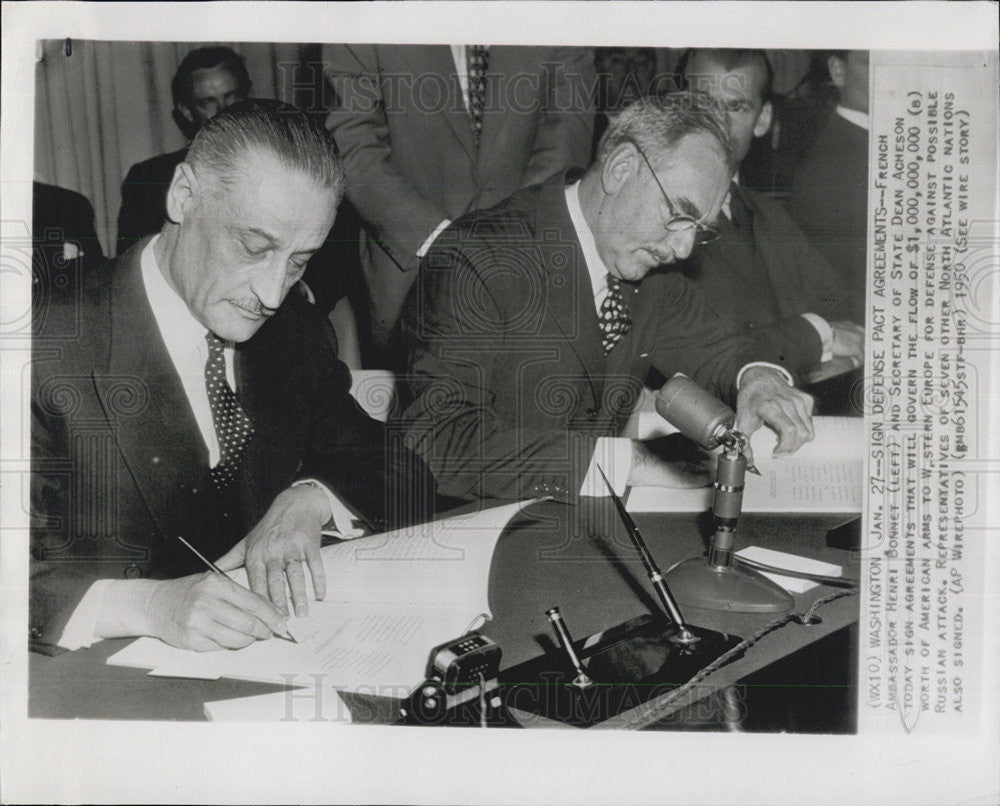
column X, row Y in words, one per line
column 127, row 608
column 315, row 496
column 752, row 374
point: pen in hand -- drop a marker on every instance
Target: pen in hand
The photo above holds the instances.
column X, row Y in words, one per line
column 215, row 569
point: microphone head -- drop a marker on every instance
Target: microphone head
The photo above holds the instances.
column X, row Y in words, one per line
column 698, row 415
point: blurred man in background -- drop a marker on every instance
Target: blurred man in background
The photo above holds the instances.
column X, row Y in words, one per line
column 207, row 81
column 762, row 274
column 830, row 190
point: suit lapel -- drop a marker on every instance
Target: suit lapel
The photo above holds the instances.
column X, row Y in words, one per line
column 571, row 303
column 144, row 402
column 270, row 389
column 437, row 60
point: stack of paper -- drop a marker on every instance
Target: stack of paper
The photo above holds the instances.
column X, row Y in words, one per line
column 824, row 475
column 391, row 597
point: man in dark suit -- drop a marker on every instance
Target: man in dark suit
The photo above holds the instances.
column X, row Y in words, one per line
column 830, row 189
column 64, row 242
column 184, row 393
column 430, row 132
column 207, row 81
column 762, row 274
column 531, row 325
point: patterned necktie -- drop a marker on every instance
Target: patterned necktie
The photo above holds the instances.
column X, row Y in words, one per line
column 233, row 428
column 477, row 58
column 613, row 316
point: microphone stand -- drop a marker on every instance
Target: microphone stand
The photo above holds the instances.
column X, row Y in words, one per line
column 716, row 582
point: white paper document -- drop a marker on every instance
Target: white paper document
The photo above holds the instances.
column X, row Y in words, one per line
column 793, row 562
column 824, row 475
column 390, row 598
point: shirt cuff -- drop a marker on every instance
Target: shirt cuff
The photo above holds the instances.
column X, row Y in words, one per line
column 614, row 455
column 80, row 630
column 782, row 370
column 825, row 333
column 341, row 523
column 433, row 236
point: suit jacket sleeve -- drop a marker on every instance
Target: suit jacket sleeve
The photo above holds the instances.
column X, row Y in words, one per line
column 66, row 543
column 361, row 460
column 566, row 129
column 825, row 291
column 398, row 216
column 685, row 335
column 453, row 416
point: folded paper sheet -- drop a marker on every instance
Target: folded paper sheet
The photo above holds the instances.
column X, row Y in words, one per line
column 390, row 598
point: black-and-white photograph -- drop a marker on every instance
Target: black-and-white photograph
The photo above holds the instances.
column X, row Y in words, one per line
column 439, row 392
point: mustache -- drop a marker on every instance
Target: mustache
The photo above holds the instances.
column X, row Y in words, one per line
column 253, row 306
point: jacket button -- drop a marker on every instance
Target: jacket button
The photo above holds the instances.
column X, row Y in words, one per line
column 133, row 571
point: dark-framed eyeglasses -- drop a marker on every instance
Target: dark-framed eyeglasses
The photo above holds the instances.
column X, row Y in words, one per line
column 678, row 222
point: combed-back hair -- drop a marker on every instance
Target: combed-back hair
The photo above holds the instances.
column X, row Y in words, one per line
column 182, row 86
column 658, row 124
column 730, row 59
column 268, row 127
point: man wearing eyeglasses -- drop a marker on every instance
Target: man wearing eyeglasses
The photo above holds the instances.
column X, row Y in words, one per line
column 533, row 324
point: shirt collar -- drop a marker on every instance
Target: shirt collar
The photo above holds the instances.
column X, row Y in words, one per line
column 178, row 327
column 853, row 116
column 595, row 266
column 727, row 210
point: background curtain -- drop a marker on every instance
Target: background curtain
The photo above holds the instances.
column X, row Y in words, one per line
column 100, row 107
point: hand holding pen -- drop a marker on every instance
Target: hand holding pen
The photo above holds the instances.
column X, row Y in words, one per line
column 241, row 616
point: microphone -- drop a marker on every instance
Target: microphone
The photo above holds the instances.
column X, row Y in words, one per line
column 717, row 584
column 699, row 416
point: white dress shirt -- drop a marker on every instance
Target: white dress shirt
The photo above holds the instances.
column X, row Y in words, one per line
column 853, row 116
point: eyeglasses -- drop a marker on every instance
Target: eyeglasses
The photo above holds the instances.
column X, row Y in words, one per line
column 678, row 222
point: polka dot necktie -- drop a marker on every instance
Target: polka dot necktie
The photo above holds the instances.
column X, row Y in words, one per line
column 233, row 428
column 613, row 316
column 477, row 58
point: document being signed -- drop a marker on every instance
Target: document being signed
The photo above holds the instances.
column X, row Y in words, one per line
column 392, row 597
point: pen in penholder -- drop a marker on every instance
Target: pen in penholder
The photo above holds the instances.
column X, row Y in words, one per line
column 684, row 635
column 582, row 679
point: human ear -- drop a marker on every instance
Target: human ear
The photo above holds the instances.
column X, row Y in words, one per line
column 838, row 70
column 764, row 119
column 183, row 193
column 619, row 167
